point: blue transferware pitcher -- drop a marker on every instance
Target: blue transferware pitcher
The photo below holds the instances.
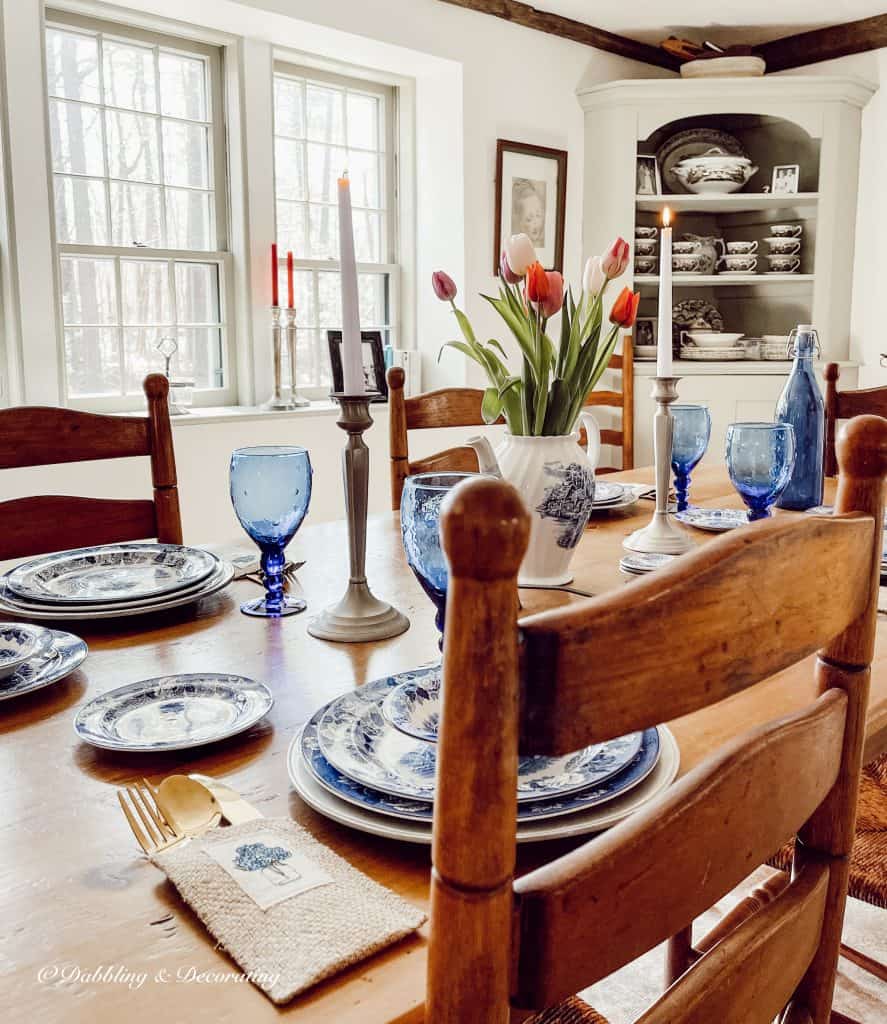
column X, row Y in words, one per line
column 801, row 405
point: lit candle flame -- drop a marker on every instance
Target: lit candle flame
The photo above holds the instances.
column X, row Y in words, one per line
column 343, row 181
column 666, row 217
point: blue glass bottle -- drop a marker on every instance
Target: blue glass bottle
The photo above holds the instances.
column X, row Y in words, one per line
column 801, row 405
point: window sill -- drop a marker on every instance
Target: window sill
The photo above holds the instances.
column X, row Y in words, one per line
column 244, row 413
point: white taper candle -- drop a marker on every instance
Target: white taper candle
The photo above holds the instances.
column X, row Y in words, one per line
column 352, row 358
column 663, row 338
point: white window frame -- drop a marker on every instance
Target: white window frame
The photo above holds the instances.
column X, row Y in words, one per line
column 220, row 256
column 391, row 268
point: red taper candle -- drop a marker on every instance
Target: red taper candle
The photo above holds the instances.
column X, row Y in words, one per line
column 275, row 294
column 290, row 294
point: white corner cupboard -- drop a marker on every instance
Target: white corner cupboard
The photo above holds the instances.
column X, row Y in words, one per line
column 810, row 120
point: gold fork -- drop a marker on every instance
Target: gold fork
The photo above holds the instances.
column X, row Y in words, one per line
column 151, row 829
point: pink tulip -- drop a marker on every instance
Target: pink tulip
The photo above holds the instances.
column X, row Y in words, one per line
column 444, row 286
column 615, row 259
column 552, row 303
column 594, row 279
column 520, row 254
column 505, row 272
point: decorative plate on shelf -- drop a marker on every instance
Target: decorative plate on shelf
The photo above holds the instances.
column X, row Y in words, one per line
column 110, row 572
column 64, row 653
column 356, row 739
column 381, row 821
column 690, row 143
column 173, row 712
column 714, row 520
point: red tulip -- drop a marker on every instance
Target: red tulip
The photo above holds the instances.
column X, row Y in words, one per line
column 615, row 259
column 537, row 285
column 625, row 308
column 505, row 271
column 444, row 286
column 555, row 299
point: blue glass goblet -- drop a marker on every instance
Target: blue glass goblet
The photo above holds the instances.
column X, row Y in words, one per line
column 270, row 492
column 692, row 430
column 420, row 527
column 760, row 459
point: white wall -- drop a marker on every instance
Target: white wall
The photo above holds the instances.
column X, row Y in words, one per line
column 515, row 84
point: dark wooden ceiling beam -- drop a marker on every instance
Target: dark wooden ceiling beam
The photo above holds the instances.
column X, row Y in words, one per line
column 825, row 43
column 577, row 31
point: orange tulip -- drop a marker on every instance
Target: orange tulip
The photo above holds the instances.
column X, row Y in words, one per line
column 538, row 286
column 625, row 308
column 552, row 304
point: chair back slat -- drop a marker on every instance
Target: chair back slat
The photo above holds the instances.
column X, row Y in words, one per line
column 454, row 460
column 667, row 865
column 596, row 669
column 611, row 437
column 844, row 405
column 447, row 407
column 34, row 526
column 611, row 398
column 751, row 975
column 44, row 436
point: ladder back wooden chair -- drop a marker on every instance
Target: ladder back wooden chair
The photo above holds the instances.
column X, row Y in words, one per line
column 460, row 407
column 47, row 436
column 555, row 681
column 844, row 405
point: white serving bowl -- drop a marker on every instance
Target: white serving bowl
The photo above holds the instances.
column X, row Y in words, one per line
column 18, row 644
column 713, row 339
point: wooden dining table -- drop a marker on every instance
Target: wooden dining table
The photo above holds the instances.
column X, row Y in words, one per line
column 92, row 931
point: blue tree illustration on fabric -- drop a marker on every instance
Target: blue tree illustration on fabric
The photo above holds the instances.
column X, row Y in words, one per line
column 568, row 501
column 259, row 857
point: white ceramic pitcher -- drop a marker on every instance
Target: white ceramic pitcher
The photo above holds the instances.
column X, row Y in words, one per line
column 555, row 477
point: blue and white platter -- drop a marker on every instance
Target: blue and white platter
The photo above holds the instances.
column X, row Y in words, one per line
column 356, row 738
column 637, row 563
column 15, row 605
column 173, row 712
column 62, row 654
column 20, row 643
column 714, row 520
column 413, row 706
column 110, row 572
column 393, row 825
column 604, row 492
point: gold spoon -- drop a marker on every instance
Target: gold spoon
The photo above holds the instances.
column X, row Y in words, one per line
column 188, row 805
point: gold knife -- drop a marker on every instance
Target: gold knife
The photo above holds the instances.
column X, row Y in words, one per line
column 234, row 808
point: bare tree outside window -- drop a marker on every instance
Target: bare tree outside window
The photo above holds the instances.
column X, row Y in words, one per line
column 132, row 138
column 323, row 125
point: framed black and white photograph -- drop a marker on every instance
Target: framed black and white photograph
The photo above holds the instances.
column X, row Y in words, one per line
column 786, row 178
column 645, row 330
column 373, row 362
column 531, row 193
column 647, row 179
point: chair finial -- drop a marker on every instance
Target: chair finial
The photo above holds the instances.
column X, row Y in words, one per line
column 485, row 528
column 862, row 447
column 395, row 378
column 156, row 385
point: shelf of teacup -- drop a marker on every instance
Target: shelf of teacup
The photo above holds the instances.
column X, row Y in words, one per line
column 732, row 202
column 726, row 280
column 359, row 616
column 295, row 401
column 662, row 534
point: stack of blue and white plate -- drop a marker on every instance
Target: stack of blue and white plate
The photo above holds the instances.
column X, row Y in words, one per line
column 368, row 759
column 111, row 580
column 32, row 657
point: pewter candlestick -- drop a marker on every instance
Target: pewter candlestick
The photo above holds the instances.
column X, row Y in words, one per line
column 359, row 615
column 295, row 400
column 660, row 534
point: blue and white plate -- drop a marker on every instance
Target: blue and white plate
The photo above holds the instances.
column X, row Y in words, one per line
column 413, row 706
column 605, row 493
column 62, row 655
column 18, row 644
column 715, row 520
column 173, row 712
column 581, row 822
column 110, row 573
column 637, row 563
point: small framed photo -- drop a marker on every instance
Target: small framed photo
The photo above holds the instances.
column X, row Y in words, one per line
column 647, row 179
column 531, row 195
column 373, row 363
column 645, row 331
column 786, row 178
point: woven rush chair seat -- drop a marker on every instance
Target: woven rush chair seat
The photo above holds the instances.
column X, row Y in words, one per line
column 570, row 1011
column 868, row 862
